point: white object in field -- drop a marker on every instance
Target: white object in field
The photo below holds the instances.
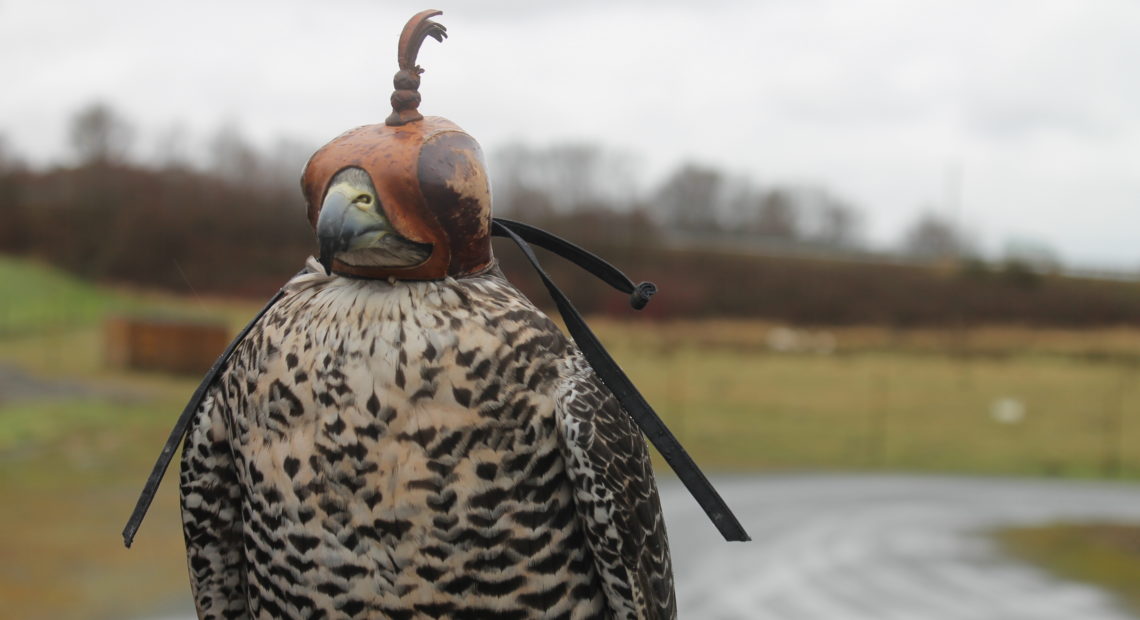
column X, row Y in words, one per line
column 1008, row 410
column 788, row 340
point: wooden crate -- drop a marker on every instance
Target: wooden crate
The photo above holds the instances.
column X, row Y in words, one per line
column 184, row 347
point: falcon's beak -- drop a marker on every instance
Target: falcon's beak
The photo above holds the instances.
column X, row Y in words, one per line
column 345, row 225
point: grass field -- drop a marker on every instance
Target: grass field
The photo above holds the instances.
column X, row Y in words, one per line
column 75, row 452
column 36, row 297
column 71, row 464
column 1106, row 554
column 883, row 399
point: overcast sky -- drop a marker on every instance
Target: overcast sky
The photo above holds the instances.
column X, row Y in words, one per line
column 1037, row 103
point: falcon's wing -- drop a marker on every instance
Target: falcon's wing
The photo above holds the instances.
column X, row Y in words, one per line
column 211, row 516
column 615, row 495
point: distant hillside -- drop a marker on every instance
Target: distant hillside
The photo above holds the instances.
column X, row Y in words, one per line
column 823, row 291
column 189, row 232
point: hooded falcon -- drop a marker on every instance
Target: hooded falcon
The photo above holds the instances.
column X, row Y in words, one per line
column 404, row 434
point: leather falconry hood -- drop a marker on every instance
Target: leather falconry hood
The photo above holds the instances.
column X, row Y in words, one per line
column 429, row 175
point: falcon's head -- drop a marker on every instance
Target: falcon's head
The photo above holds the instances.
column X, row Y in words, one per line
column 410, row 202
column 353, row 229
column 407, row 199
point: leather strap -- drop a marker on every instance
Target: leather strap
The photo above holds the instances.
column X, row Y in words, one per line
column 639, row 294
column 611, row 374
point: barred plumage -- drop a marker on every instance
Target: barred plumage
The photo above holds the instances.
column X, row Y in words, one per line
column 418, row 449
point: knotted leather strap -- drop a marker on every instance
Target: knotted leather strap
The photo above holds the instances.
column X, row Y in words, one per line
column 611, row 374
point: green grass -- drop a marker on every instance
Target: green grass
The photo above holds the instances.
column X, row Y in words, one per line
column 70, row 471
column 35, row 297
column 71, row 466
column 1103, row 554
column 742, row 409
column 67, row 492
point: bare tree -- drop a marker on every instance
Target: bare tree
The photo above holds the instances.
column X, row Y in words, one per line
column 5, row 155
column 933, row 238
column 577, row 174
column 100, row 136
column 233, row 158
column 572, row 176
column 777, row 216
column 1034, row 254
column 690, row 199
column 9, row 160
column 285, row 161
column 826, row 221
column 170, row 147
column 838, row 225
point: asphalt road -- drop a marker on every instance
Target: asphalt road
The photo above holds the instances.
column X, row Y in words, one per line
column 881, row 547
column 890, row 547
column 15, row 384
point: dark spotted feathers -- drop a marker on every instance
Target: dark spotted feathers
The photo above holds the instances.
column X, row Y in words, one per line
column 418, row 450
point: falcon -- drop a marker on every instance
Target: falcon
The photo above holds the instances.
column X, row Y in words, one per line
column 403, row 434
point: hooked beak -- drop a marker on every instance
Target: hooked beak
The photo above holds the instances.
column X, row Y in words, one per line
column 344, row 226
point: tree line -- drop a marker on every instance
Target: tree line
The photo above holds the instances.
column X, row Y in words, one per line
column 719, row 244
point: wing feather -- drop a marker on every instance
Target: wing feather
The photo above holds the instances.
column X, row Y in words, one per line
column 615, row 495
column 211, row 516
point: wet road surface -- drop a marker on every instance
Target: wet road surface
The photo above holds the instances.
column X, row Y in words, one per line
column 854, row 547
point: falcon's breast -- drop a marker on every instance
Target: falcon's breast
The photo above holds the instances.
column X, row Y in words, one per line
column 421, row 449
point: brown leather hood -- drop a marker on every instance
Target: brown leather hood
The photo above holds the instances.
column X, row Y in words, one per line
column 432, row 185
column 429, row 175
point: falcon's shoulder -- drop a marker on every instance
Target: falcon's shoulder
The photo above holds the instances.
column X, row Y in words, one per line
column 615, row 494
column 607, row 462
